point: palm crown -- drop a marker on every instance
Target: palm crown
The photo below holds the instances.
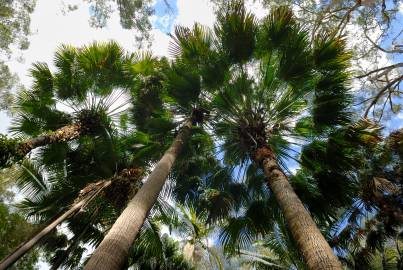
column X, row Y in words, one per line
column 258, row 87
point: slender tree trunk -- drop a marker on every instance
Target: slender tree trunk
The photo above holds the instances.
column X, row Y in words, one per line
column 27, row 246
column 112, row 253
column 63, row 134
column 312, row 245
column 72, row 246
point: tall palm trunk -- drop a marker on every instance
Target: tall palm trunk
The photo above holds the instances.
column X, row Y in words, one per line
column 112, row 253
column 75, row 242
column 311, row 243
column 63, row 134
column 27, row 246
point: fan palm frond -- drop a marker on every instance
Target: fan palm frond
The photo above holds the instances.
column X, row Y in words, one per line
column 236, row 30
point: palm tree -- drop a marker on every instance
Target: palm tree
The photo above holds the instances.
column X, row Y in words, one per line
column 253, row 116
column 48, row 196
column 192, row 226
column 185, row 91
column 277, row 81
column 276, row 250
column 90, row 193
column 73, row 101
column 124, row 231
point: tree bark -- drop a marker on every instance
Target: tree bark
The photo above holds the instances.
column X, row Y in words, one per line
column 63, row 134
column 313, row 246
column 27, row 246
column 75, row 242
column 112, row 253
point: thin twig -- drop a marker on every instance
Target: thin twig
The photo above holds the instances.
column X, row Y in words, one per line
column 380, row 93
column 380, row 69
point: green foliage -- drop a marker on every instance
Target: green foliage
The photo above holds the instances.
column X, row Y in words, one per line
column 183, row 85
column 236, row 29
column 197, row 47
column 14, row 229
column 148, row 96
column 134, row 14
column 162, row 256
column 8, row 147
column 7, row 81
column 14, row 23
column 90, row 80
column 256, row 84
column 14, row 32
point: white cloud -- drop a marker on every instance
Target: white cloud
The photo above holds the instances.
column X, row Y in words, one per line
column 160, row 43
column 51, row 29
column 189, row 12
column 4, row 122
column 257, row 8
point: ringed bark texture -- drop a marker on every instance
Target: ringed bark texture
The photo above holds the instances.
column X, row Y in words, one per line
column 63, row 134
column 112, row 253
column 312, row 245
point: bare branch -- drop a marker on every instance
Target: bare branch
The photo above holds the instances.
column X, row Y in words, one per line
column 379, row 47
column 388, row 68
column 381, row 93
column 346, row 18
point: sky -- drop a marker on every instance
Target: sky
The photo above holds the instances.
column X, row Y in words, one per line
column 51, row 27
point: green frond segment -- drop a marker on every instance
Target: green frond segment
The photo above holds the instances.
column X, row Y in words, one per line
column 30, row 178
column 145, row 253
column 98, row 67
column 332, row 100
column 332, row 96
column 36, row 115
column 183, row 85
column 277, row 28
column 149, row 112
column 240, row 232
column 191, row 44
column 145, row 147
column 104, row 66
column 43, row 82
column 68, row 80
column 236, row 29
column 236, row 97
column 148, row 96
column 287, row 40
column 144, row 63
column 329, row 53
column 197, row 48
column 90, row 78
column 329, row 166
column 307, row 189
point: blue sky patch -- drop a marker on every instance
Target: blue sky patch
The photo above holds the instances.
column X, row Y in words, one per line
column 165, row 11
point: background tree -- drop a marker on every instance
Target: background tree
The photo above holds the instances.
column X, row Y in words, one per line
column 134, row 14
column 87, row 82
column 14, row 228
column 14, row 31
column 373, row 34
